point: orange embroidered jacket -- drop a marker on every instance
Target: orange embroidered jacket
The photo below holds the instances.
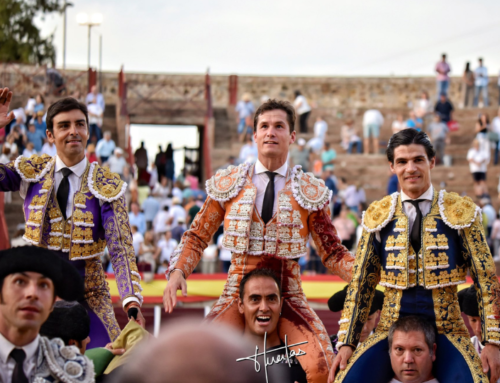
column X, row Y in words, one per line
column 302, row 210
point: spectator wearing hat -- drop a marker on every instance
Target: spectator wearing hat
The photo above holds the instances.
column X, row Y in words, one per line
column 30, row 283
column 300, row 155
column 117, row 162
column 176, row 212
column 336, row 304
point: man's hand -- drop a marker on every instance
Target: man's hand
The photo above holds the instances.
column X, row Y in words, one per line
column 340, row 361
column 114, row 351
column 140, row 320
column 490, row 357
column 176, row 282
column 5, row 116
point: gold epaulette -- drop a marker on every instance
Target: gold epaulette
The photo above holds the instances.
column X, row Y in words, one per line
column 310, row 192
column 105, row 185
column 34, row 168
column 456, row 211
column 227, row 183
column 379, row 213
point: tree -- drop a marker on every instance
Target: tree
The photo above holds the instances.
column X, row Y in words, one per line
column 20, row 39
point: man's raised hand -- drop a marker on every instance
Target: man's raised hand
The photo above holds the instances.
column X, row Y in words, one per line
column 5, row 116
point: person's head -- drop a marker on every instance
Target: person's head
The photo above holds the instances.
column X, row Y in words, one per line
column 142, row 144
column 480, row 61
column 134, row 229
column 274, row 125
column 425, row 95
column 412, row 349
column 443, row 97
column 297, row 93
column 93, row 89
column 181, row 220
column 39, row 99
column 176, row 201
column 134, row 207
column 301, row 143
column 443, row 57
column 336, row 304
column 39, row 115
column 412, row 115
column 475, row 144
column 484, row 120
column 31, row 126
column 469, row 305
column 30, row 146
column 91, row 148
column 246, row 97
column 29, row 283
column 107, row 135
column 118, row 152
column 467, row 66
column 67, row 127
column 411, row 157
column 70, row 322
column 436, row 117
column 149, row 237
column 168, row 233
column 260, row 301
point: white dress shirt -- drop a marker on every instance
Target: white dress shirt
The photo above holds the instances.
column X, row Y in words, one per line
column 7, row 364
column 75, row 181
column 260, row 180
column 409, row 209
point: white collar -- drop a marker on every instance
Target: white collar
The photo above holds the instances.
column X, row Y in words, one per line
column 428, row 195
column 259, row 168
column 78, row 169
column 6, row 348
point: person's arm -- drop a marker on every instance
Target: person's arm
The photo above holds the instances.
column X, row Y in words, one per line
column 483, row 272
column 335, row 256
column 189, row 252
column 5, row 99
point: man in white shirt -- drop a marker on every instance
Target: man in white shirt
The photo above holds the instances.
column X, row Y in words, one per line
column 166, row 247
column 481, row 83
column 495, row 127
column 372, row 121
column 412, row 348
column 176, row 212
column 30, row 282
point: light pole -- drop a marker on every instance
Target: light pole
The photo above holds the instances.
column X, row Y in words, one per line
column 93, row 21
column 65, row 6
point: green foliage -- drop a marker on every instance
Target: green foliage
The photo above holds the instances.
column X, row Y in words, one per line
column 20, row 39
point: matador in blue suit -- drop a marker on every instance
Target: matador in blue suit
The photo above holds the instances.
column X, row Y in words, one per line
column 419, row 244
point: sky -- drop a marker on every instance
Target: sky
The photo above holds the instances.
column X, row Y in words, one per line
column 282, row 37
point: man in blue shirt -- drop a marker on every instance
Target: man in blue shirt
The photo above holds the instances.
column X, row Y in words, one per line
column 94, row 93
column 40, row 124
column 35, row 136
column 137, row 218
column 150, row 207
column 105, row 147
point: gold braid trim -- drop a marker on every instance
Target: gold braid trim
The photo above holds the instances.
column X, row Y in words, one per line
column 465, row 347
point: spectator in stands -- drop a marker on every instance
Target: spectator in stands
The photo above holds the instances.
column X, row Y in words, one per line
column 178, row 231
column 192, row 180
column 137, row 239
column 94, row 94
column 40, row 104
column 478, row 163
column 91, row 155
column 345, row 228
column 161, row 191
column 372, row 121
column 49, row 148
column 148, row 250
column 300, row 155
column 399, row 124
column 150, row 207
column 444, row 107
column 117, row 162
column 177, row 190
column 490, row 213
column 245, row 110
column 355, row 198
column 141, row 161
column 442, row 80
column 35, row 137
column 29, row 150
column 412, row 349
column 481, row 130
column 320, row 129
column 193, row 210
column 40, row 124
column 5, row 157
column 169, row 164
column 165, row 247
column 495, row 238
column 495, row 128
column 328, row 156
column 438, row 133
column 105, row 147
column 95, row 120
column 248, row 152
column 10, row 142
column 392, row 184
column 224, row 255
column 423, row 107
column 176, row 211
column 160, row 163
column 137, row 218
column 302, row 109
column 481, row 83
column 209, row 258
column 414, row 122
column 468, row 84
column 330, row 181
column 29, row 109
column 349, row 137
column 160, row 223
column 163, row 268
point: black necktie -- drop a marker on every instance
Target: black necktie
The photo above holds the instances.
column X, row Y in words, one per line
column 268, row 205
column 416, row 232
column 18, row 375
column 63, row 191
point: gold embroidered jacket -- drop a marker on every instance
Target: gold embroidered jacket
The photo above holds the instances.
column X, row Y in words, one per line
column 453, row 242
column 302, row 210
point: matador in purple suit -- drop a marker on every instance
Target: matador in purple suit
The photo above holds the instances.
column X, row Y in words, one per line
column 77, row 209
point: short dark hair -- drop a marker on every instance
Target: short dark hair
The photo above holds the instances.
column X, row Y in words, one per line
column 413, row 323
column 408, row 137
column 259, row 272
column 273, row 104
column 65, row 105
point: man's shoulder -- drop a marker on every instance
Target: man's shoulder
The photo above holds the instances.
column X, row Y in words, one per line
column 227, row 183
column 310, row 192
column 104, row 184
column 379, row 213
column 456, row 211
column 62, row 363
column 34, row 168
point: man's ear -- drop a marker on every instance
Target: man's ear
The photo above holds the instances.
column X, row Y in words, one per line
column 433, row 357
column 391, row 165
column 50, row 136
column 240, row 306
column 293, row 136
column 432, row 163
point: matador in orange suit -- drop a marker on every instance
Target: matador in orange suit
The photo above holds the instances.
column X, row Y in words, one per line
column 269, row 211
